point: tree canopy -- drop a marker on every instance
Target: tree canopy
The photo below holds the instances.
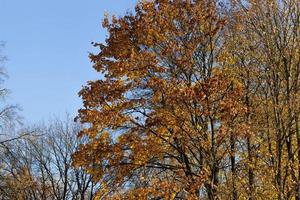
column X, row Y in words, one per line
column 199, row 100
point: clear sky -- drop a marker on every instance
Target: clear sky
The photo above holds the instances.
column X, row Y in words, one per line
column 47, row 44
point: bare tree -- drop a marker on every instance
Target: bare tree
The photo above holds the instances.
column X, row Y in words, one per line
column 41, row 167
column 9, row 116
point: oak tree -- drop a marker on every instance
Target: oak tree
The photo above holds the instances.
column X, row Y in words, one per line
column 160, row 122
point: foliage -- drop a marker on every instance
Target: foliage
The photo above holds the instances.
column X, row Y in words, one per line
column 199, row 100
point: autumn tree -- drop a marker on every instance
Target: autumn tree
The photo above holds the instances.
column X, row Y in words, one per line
column 263, row 44
column 161, row 122
column 275, row 25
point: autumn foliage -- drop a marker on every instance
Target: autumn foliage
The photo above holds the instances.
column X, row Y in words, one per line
column 198, row 100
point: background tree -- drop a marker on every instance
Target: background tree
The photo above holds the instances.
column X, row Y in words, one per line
column 9, row 116
column 39, row 167
column 264, row 44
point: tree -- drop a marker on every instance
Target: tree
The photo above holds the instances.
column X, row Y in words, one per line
column 199, row 100
column 9, row 116
column 273, row 27
column 39, row 167
column 160, row 122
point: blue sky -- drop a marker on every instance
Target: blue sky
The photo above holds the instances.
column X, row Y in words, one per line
column 47, row 44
